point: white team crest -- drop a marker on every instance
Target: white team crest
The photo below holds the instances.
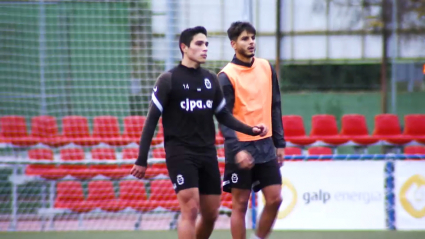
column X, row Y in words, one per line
column 234, row 178
column 207, row 83
column 180, row 179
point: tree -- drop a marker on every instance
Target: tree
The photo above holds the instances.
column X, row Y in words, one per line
column 378, row 18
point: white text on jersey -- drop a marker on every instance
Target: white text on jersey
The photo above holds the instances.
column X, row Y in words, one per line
column 190, row 105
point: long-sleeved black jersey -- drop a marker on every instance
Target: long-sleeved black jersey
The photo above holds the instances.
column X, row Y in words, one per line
column 187, row 99
column 232, row 143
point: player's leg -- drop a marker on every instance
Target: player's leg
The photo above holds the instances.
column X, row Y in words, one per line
column 240, row 198
column 210, row 192
column 238, row 183
column 189, row 208
column 209, row 206
column 184, row 175
column 270, row 181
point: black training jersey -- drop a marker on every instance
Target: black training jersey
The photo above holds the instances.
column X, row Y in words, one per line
column 187, row 99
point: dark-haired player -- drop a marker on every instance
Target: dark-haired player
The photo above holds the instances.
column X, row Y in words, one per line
column 188, row 97
column 251, row 89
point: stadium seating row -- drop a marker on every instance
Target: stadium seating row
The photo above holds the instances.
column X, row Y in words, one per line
column 106, row 129
column 132, row 194
column 354, row 129
column 83, row 171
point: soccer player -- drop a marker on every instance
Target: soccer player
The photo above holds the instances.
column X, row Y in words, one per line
column 188, row 97
column 250, row 87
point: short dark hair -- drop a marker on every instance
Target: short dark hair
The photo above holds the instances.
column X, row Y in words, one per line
column 236, row 29
column 186, row 36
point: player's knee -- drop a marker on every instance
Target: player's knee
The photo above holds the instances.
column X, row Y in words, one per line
column 274, row 201
column 240, row 204
column 190, row 210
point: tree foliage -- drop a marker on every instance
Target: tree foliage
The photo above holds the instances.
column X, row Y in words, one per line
column 410, row 13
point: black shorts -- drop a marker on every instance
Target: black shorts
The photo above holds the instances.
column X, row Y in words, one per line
column 195, row 171
column 257, row 178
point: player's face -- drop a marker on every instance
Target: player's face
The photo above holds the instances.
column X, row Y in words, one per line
column 245, row 44
column 198, row 49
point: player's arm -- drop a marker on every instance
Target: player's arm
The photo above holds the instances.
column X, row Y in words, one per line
column 225, row 117
column 277, row 126
column 159, row 100
column 229, row 95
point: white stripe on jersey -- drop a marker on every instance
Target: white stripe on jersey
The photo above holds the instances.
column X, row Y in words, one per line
column 220, row 106
column 156, row 102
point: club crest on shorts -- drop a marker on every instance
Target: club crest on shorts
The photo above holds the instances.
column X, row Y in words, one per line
column 180, row 179
column 207, row 83
column 234, row 178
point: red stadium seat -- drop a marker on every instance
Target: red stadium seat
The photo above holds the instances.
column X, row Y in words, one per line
column 320, row 151
column 324, row 128
column 163, row 195
column 293, row 151
column 111, row 170
column 221, row 164
column 158, row 153
column 79, row 171
column 46, row 171
column 13, row 129
column 226, row 200
column 45, row 130
column 415, row 127
column 70, row 195
column 133, row 194
column 133, row 126
column 414, row 149
column 220, row 152
column 221, row 167
column 76, row 130
column 129, row 154
column 101, row 195
column 354, row 127
column 106, row 129
column 159, row 137
column 157, row 168
column 219, row 139
column 294, row 130
column 152, row 170
column 387, row 127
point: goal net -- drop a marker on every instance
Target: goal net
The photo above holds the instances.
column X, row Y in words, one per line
column 75, row 85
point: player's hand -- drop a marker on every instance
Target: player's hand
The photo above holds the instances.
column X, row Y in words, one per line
column 280, row 152
column 244, row 160
column 138, row 171
column 260, row 129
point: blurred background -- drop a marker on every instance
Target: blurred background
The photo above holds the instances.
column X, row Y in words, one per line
column 98, row 60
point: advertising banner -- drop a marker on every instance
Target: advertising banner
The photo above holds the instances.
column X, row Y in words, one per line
column 334, row 195
column 409, row 182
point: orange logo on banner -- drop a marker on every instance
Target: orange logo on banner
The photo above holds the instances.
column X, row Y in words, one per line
column 413, row 193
